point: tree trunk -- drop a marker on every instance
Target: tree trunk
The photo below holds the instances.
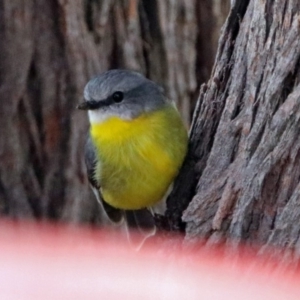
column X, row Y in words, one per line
column 48, row 51
column 211, row 15
column 243, row 169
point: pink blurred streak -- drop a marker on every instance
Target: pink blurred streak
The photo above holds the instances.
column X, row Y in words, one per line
column 40, row 261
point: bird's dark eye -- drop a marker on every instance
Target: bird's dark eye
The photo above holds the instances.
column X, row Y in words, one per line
column 118, row 96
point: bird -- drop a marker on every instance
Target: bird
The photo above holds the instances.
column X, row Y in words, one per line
column 136, row 145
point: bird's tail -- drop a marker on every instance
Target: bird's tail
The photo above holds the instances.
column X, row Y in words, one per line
column 140, row 225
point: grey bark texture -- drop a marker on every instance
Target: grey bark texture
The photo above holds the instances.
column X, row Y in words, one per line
column 48, row 51
column 243, row 170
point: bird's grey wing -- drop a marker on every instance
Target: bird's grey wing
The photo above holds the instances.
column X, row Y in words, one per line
column 114, row 214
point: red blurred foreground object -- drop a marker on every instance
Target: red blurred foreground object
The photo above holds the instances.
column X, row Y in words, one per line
column 47, row 262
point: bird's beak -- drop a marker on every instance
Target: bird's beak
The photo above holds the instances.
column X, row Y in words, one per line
column 83, row 106
column 88, row 105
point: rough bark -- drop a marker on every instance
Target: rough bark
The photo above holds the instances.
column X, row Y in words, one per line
column 244, row 167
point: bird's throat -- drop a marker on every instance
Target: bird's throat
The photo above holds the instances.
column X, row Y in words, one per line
column 116, row 130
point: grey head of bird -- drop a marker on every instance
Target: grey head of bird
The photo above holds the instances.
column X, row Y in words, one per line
column 122, row 93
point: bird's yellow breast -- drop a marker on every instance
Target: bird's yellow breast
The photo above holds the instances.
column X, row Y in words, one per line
column 138, row 159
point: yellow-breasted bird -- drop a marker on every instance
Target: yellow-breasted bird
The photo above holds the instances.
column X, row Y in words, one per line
column 137, row 143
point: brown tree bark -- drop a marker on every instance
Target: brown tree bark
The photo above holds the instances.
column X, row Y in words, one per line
column 211, row 15
column 243, row 169
column 48, row 51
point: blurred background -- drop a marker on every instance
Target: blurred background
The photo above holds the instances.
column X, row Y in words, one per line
column 49, row 50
